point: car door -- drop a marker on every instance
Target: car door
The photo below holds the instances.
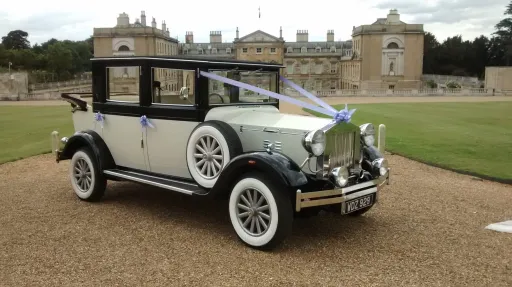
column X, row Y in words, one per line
column 122, row 130
column 172, row 119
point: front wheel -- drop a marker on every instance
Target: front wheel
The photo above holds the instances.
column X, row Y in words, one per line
column 260, row 212
column 87, row 180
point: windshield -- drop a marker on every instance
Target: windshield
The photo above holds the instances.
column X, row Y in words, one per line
column 221, row 93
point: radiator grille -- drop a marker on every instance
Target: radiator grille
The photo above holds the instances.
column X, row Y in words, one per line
column 341, row 150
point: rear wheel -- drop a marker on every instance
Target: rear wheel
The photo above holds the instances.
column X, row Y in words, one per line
column 87, row 180
column 260, row 212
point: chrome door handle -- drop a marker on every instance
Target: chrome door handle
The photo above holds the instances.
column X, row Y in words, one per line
column 267, row 130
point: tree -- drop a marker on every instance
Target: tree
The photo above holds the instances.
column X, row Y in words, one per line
column 504, row 32
column 60, row 60
column 430, row 51
column 16, row 40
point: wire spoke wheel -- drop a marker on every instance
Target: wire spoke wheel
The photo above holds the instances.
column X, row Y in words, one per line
column 82, row 175
column 253, row 212
column 208, row 157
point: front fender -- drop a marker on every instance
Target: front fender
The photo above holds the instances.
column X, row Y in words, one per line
column 276, row 166
column 91, row 139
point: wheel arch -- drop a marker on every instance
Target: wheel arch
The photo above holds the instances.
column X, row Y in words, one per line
column 275, row 166
column 93, row 140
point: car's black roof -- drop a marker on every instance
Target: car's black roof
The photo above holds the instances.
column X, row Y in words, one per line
column 183, row 58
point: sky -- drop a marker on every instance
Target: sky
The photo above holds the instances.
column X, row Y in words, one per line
column 60, row 19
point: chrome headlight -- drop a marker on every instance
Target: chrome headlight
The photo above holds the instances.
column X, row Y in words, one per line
column 381, row 166
column 314, row 142
column 340, row 176
column 368, row 134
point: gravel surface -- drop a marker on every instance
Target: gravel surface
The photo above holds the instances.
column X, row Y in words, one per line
column 427, row 230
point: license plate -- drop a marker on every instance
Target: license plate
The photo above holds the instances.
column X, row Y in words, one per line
column 358, row 203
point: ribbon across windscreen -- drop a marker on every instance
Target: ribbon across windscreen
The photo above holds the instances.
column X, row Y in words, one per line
column 337, row 116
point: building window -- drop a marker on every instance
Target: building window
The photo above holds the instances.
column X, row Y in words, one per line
column 303, row 50
column 333, row 49
column 289, row 69
column 289, row 50
column 272, row 50
column 200, row 51
column 214, row 51
column 244, row 50
column 319, row 68
column 228, row 50
column 185, row 52
column 333, row 85
column 304, row 68
column 318, row 49
column 123, row 48
column 333, row 68
column 259, row 50
column 393, row 45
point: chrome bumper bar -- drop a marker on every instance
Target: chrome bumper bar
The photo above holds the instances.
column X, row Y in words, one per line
column 340, row 195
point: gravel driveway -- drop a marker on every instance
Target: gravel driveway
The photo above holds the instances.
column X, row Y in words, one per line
column 428, row 230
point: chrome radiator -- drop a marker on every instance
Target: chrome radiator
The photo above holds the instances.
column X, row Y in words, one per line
column 342, row 148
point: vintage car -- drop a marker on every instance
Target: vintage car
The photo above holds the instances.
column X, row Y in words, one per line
column 158, row 121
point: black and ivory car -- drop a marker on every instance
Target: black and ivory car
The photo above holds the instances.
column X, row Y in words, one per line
column 158, row 121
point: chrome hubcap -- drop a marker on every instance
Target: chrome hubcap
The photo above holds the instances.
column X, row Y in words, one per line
column 253, row 212
column 208, row 157
column 82, row 175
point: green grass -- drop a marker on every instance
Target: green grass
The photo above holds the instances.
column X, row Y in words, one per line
column 468, row 137
column 25, row 131
column 473, row 138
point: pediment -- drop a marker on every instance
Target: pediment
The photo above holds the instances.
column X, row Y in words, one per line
column 259, row 36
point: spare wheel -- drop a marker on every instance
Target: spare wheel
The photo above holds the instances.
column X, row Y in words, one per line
column 210, row 147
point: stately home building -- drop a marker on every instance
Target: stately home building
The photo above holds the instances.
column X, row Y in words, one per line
column 387, row 54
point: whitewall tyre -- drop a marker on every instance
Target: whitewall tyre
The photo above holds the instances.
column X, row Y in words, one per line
column 87, row 180
column 210, row 147
column 260, row 212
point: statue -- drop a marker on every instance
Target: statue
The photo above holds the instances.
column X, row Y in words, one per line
column 391, row 71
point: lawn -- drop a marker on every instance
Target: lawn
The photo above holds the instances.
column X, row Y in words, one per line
column 470, row 137
column 26, row 130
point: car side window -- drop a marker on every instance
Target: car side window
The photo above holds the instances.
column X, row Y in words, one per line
column 123, row 84
column 173, row 86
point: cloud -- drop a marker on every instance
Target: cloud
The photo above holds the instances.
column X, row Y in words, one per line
column 463, row 17
column 469, row 18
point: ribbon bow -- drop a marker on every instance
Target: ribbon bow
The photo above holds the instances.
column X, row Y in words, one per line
column 344, row 115
column 99, row 117
column 144, row 122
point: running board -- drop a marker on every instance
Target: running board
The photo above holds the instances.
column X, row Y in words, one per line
column 169, row 184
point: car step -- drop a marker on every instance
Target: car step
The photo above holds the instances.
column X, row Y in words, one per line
column 169, row 184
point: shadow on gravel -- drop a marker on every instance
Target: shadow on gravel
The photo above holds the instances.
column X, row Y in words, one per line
column 165, row 207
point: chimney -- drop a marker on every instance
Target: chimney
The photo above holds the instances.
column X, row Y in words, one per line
column 123, row 20
column 143, row 18
column 281, row 32
column 215, row 37
column 330, row 35
column 153, row 23
column 237, row 35
column 302, row 35
column 393, row 17
column 168, row 33
column 164, row 27
column 189, row 37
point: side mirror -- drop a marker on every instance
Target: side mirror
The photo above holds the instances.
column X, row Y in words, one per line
column 184, row 93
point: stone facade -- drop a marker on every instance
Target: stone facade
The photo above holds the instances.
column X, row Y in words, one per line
column 387, row 54
column 136, row 39
column 498, row 78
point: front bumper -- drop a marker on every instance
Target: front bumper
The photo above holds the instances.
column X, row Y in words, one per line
column 341, row 195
